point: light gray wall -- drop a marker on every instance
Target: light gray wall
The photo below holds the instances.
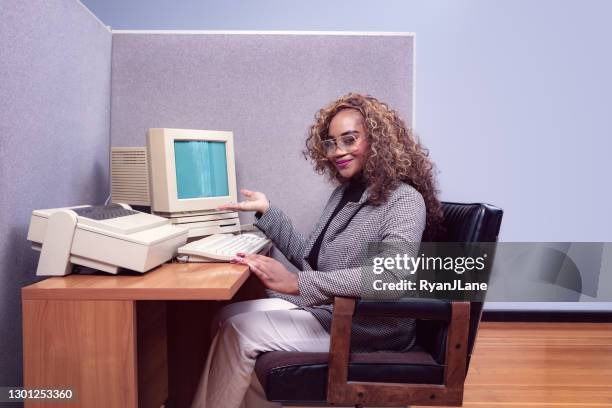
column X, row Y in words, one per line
column 54, row 136
column 264, row 88
column 512, row 96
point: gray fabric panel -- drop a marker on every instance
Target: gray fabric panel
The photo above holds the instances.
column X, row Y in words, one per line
column 264, row 88
column 54, row 136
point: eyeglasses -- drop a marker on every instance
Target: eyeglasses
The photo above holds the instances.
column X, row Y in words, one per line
column 347, row 143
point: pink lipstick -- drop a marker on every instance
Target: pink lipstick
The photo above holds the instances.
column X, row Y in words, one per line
column 342, row 164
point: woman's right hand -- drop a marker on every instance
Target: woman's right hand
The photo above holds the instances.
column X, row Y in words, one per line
column 255, row 201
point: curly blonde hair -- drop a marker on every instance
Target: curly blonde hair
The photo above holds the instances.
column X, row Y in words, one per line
column 395, row 154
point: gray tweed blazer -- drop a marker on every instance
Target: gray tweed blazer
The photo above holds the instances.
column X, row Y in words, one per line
column 401, row 219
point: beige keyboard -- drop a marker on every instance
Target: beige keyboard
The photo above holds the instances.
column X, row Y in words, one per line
column 221, row 247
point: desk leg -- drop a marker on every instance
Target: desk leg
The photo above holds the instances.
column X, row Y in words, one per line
column 88, row 346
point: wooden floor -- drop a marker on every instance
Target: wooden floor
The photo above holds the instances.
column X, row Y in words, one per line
column 541, row 365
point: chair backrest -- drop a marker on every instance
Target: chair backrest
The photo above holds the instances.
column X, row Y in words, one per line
column 462, row 223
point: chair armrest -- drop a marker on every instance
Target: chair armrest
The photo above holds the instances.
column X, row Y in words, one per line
column 342, row 391
column 339, row 348
column 427, row 309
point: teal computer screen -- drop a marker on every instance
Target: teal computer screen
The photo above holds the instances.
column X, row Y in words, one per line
column 201, row 169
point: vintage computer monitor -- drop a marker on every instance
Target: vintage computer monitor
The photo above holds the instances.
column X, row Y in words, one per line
column 191, row 173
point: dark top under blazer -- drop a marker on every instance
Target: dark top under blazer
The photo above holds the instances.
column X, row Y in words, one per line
column 352, row 192
column 401, row 219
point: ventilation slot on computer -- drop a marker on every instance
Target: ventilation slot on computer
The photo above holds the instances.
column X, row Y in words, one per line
column 130, row 176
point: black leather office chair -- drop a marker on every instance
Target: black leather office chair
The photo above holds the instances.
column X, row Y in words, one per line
column 431, row 373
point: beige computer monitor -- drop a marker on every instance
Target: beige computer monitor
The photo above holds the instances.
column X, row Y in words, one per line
column 196, row 182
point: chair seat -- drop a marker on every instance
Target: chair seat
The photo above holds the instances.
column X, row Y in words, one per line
column 297, row 377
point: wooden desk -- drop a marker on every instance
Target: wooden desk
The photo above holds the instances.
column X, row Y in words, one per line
column 125, row 341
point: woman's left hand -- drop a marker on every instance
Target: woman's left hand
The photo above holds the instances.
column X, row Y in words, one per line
column 272, row 273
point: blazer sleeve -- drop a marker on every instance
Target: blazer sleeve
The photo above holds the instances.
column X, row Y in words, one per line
column 402, row 226
column 279, row 228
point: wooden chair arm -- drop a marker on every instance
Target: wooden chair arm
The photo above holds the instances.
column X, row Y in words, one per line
column 339, row 346
column 342, row 391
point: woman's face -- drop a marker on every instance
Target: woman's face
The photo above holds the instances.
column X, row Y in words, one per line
column 348, row 129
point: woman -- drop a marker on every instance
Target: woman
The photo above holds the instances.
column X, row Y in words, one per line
column 386, row 193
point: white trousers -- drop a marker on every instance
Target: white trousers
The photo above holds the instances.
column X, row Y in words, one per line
column 245, row 330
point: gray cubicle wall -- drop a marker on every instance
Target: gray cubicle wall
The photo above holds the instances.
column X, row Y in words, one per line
column 54, row 136
column 264, row 87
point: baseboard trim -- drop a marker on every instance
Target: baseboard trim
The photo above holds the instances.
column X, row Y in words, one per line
column 594, row 316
